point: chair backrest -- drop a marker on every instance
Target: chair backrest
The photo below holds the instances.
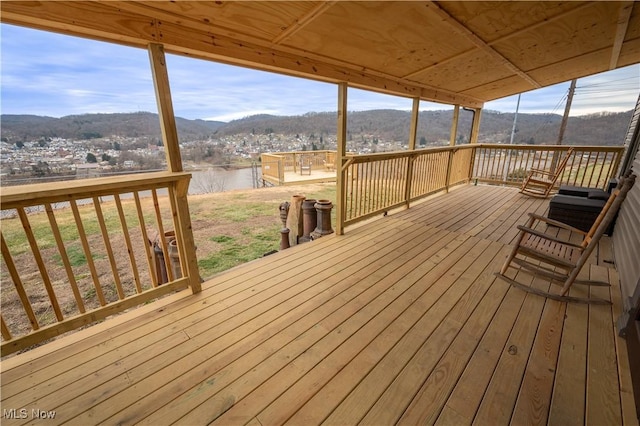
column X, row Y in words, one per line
column 609, row 210
column 563, row 163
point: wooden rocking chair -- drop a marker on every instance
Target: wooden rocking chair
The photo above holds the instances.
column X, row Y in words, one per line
column 539, row 183
column 565, row 258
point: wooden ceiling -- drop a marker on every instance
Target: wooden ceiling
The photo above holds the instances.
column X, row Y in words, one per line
column 457, row 52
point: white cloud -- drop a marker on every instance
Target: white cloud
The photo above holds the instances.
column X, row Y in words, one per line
column 50, row 74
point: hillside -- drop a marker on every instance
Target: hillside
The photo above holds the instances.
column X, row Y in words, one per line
column 434, row 126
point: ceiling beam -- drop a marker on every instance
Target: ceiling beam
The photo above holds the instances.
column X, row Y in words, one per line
column 303, row 21
column 478, row 42
column 624, row 15
column 103, row 21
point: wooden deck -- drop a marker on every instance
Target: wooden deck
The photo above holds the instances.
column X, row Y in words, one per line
column 296, row 178
column 401, row 320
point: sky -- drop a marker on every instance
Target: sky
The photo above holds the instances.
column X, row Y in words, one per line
column 48, row 74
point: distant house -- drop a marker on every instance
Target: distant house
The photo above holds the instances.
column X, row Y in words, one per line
column 89, row 170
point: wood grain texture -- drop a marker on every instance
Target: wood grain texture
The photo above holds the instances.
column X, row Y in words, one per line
column 407, row 324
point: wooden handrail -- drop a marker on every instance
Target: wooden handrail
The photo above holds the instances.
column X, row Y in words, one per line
column 370, row 180
column 25, row 195
column 95, row 211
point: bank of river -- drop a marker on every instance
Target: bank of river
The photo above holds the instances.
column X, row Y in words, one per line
column 218, row 179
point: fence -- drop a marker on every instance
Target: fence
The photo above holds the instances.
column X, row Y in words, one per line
column 375, row 183
column 79, row 251
column 276, row 164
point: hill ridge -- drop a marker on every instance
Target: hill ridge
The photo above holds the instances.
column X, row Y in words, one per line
column 602, row 128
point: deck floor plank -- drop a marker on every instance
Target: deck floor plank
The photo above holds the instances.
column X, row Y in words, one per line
column 430, row 311
column 398, row 321
column 603, row 390
column 229, row 318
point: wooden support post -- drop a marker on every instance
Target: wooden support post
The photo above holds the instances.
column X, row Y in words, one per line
column 454, row 125
column 413, row 134
column 475, row 128
column 187, row 249
column 341, row 147
column 449, row 164
column 165, row 107
column 409, row 184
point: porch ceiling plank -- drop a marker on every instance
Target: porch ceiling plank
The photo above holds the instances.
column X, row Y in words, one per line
column 623, row 23
column 92, row 20
column 408, row 311
column 303, row 20
column 463, row 53
column 204, row 45
column 481, row 44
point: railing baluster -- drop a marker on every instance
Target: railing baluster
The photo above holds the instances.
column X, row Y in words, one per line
column 87, row 252
column 64, row 257
column 27, row 228
column 593, row 172
column 17, row 282
column 147, row 242
column 40, row 263
column 163, row 240
column 108, row 248
column 127, row 240
column 6, row 334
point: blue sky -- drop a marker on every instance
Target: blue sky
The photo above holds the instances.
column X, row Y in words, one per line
column 43, row 73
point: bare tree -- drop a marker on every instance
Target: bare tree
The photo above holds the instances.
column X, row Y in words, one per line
column 208, row 181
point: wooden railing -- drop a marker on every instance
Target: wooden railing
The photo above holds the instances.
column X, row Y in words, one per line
column 273, row 167
column 275, row 164
column 589, row 166
column 78, row 251
column 376, row 183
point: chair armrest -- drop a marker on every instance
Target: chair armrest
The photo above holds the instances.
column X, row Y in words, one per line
column 548, row 237
column 556, row 223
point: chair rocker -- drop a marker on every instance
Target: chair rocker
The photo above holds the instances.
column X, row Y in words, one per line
column 539, row 183
column 550, row 257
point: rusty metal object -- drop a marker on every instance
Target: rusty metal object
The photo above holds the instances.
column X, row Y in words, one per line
column 284, row 212
column 309, row 219
column 323, row 209
column 284, row 239
column 294, row 219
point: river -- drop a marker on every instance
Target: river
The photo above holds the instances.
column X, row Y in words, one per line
column 217, row 179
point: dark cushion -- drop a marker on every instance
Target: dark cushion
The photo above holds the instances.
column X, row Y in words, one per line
column 598, row 194
column 581, row 204
column 576, row 191
column 579, row 191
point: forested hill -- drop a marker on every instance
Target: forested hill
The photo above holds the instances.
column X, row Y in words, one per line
column 596, row 129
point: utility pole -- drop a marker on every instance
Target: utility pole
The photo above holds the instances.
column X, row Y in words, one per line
column 513, row 133
column 563, row 125
column 567, row 108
